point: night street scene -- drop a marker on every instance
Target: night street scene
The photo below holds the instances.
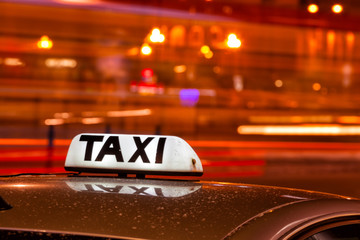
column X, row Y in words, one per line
column 181, row 119
column 265, row 91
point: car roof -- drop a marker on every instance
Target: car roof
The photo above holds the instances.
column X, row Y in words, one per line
column 140, row 208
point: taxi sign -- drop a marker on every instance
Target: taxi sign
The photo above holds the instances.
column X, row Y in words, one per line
column 132, row 154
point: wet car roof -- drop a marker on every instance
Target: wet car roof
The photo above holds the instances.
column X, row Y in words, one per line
column 139, row 208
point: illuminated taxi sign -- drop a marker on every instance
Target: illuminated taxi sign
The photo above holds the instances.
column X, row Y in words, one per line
column 139, row 154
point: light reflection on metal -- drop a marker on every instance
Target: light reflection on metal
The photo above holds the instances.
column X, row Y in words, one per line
column 233, row 41
column 308, row 130
column 294, row 197
column 19, row 185
column 45, row 43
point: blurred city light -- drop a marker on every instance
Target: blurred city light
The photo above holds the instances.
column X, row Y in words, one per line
column 133, row 51
column 313, row 8
column 209, row 55
column 130, row 113
column 60, row 63
column 54, row 122
column 233, row 41
column 189, row 97
column 278, row 83
column 45, row 43
column 156, row 36
column 147, row 73
column 146, row 49
column 13, row 62
column 205, row 49
column 316, row 87
column 63, row 115
column 180, row 69
column 94, row 120
column 298, row 130
column 349, row 119
column 292, row 119
column 337, row 8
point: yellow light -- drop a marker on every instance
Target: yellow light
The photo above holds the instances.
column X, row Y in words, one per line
column 54, row 122
column 337, row 8
column 349, row 119
column 313, row 8
column 130, row 113
column 233, row 41
column 278, row 83
column 156, row 36
column 209, row 55
column 61, row 63
column 316, row 86
column 146, row 49
column 205, row 49
column 94, row 120
column 180, row 69
column 45, row 43
column 133, row 51
column 63, row 115
column 13, row 62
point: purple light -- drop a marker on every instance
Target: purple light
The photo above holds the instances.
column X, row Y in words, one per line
column 189, row 97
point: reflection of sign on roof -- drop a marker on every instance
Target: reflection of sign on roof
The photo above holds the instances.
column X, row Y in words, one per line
column 133, row 188
column 143, row 154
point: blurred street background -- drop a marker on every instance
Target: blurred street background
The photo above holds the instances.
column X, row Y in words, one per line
column 265, row 91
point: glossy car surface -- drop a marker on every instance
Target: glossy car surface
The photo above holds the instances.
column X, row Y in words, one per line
column 131, row 208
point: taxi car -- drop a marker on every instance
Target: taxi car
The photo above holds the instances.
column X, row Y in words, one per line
column 113, row 191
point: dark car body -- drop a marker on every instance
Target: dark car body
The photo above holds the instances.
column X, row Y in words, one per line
column 131, row 208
